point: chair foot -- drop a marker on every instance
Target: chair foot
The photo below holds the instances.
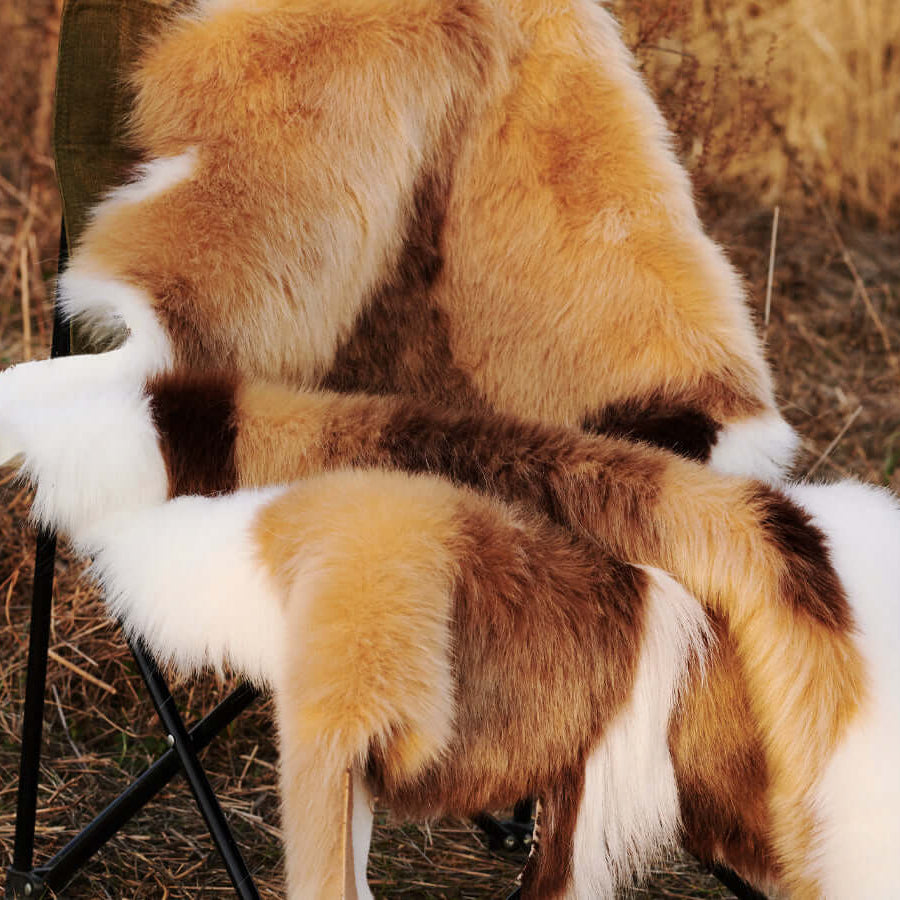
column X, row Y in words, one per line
column 32, row 720
column 20, row 885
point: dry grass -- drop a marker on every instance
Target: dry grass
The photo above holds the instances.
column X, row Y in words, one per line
column 833, row 338
column 753, row 82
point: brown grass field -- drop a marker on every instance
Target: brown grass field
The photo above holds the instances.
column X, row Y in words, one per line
column 775, row 103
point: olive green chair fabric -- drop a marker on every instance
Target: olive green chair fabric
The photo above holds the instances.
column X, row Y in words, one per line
column 98, row 44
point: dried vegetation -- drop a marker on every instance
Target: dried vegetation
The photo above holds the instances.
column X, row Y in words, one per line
column 763, row 91
column 774, row 102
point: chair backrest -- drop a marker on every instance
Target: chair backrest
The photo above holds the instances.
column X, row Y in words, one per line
column 98, row 43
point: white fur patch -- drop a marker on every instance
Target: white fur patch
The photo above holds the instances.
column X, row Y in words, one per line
column 150, row 180
column 186, row 578
column 111, row 302
column 629, row 812
column 362, row 820
column 857, row 802
column 82, row 425
column 761, row 447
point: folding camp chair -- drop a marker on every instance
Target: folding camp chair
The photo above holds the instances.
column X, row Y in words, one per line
column 97, row 40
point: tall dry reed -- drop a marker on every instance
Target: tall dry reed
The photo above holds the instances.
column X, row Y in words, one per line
column 757, row 89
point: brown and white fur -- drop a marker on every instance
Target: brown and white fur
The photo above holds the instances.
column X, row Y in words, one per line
column 800, row 584
column 395, row 618
column 472, row 202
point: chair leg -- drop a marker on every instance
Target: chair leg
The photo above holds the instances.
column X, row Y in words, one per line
column 58, row 870
column 200, row 786
column 33, row 718
column 22, row 879
column 36, row 680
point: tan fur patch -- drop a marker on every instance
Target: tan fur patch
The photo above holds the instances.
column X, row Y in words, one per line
column 305, row 174
column 576, row 271
column 367, row 570
column 721, row 768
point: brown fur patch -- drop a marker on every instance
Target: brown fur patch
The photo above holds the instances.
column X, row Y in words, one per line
column 421, row 258
column 556, row 470
column 685, row 421
column 720, row 765
column 682, row 429
column 400, row 343
column 548, row 871
column 809, row 582
column 520, row 576
column 194, row 416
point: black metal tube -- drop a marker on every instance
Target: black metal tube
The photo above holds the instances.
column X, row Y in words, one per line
column 57, row 871
column 523, row 811
column 199, row 783
column 735, row 883
column 61, row 340
column 38, row 645
column 33, row 718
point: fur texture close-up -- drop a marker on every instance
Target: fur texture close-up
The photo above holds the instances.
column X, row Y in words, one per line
column 792, row 656
column 435, row 411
